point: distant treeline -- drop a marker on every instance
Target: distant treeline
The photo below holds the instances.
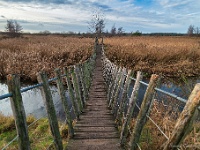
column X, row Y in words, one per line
column 91, row 35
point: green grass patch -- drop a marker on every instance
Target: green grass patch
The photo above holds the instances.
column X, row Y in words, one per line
column 39, row 133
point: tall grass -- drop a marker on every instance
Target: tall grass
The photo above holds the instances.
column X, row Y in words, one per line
column 171, row 56
column 29, row 55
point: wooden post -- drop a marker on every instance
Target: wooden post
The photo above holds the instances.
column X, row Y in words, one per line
column 113, row 90
column 71, row 93
column 185, row 121
column 64, row 100
column 18, row 111
column 82, row 75
column 87, row 75
column 48, row 100
column 144, row 111
column 132, row 102
column 80, row 84
column 111, row 83
column 119, row 86
column 76, row 89
column 120, row 110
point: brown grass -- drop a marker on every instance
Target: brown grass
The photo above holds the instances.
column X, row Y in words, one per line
column 28, row 55
column 171, row 56
column 166, row 116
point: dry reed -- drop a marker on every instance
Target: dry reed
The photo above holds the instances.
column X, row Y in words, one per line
column 28, row 55
column 171, row 56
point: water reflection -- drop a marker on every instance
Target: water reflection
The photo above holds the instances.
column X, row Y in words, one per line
column 33, row 102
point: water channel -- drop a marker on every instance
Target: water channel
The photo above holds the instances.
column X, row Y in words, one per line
column 34, row 105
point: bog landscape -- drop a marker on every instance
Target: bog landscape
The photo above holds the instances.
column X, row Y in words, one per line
column 100, row 89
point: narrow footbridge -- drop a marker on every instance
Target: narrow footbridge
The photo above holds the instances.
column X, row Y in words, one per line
column 96, row 128
column 102, row 110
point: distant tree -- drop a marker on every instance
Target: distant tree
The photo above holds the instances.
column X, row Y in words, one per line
column 97, row 23
column 137, row 33
column 190, row 30
column 46, row 32
column 120, row 31
column 13, row 28
column 197, row 30
column 18, row 27
column 113, row 30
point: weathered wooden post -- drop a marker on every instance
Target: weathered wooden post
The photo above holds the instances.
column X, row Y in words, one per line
column 87, row 75
column 144, row 111
column 118, row 88
column 71, row 92
column 113, row 90
column 64, row 100
column 120, row 110
column 80, row 84
column 85, row 93
column 18, row 111
column 76, row 89
column 111, row 84
column 132, row 102
column 184, row 123
column 48, row 100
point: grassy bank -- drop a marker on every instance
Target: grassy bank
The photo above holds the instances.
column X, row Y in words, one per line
column 171, row 56
column 30, row 54
column 39, row 133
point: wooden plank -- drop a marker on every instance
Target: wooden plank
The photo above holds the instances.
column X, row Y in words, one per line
column 48, row 100
column 18, row 111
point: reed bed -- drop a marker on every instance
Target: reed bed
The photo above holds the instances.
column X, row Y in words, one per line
column 170, row 56
column 28, row 55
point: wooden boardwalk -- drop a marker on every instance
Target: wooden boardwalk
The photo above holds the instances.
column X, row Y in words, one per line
column 96, row 128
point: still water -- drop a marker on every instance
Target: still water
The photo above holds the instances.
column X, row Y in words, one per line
column 33, row 102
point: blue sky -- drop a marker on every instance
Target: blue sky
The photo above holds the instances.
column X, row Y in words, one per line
column 73, row 15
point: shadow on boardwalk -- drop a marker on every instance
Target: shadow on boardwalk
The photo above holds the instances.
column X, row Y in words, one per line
column 96, row 128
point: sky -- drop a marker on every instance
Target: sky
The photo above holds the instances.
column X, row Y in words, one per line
column 147, row 16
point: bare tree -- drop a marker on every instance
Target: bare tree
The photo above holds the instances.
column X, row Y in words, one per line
column 113, row 30
column 18, row 27
column 120, row 31
column 190, row 30
column 13, row 28
column 197, row 31
column 97, row 24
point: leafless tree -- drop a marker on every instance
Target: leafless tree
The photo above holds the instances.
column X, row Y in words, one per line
column 13, row 28
column 97, row 24
column 113, row 30
column 197, row 30
column 120, row 31
column 190, row 30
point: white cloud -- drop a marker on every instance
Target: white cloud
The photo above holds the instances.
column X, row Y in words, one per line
column 161, row 15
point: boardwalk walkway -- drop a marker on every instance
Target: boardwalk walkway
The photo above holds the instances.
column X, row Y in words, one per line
column 96, row 128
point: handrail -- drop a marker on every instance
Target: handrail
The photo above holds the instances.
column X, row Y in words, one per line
column 164, row 92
